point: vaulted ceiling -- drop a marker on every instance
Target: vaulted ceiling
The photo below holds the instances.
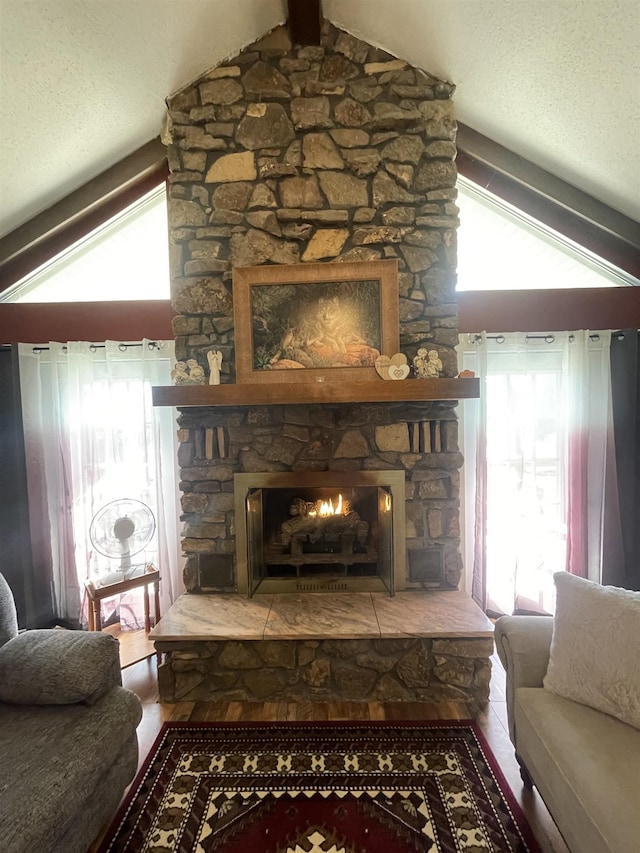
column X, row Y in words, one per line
column 83, row 82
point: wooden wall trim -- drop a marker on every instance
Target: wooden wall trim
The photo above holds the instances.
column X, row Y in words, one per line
column 86, row 321
column 490, row 311
column 549, row 310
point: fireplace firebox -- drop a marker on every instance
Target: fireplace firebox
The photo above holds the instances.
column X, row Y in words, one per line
column 320, row 531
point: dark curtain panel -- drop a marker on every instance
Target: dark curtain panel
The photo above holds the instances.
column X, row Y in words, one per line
column 31, row 590
column 621, row 563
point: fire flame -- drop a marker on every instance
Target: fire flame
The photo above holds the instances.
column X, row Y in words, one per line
column 326, row 508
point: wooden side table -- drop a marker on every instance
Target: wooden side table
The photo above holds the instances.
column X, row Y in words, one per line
column 97, row 594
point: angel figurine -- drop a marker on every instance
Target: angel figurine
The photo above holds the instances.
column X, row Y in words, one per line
column 214, row 357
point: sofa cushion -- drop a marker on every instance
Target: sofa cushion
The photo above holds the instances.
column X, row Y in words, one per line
column 50, row 667
column 54, row 759
column 585, row 765
column 594, row 656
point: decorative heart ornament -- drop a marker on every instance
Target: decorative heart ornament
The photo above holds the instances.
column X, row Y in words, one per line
column 395, row 367
column 398, row 359
column 382, row 366
column 398, row 371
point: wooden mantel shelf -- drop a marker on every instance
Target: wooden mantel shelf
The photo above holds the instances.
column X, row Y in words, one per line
column 368, row 391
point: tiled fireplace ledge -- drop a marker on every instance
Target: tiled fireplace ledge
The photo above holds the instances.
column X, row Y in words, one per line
column 370, row 391
column 429, row 647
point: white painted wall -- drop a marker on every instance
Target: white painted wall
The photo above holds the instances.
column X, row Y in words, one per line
column 83, row 83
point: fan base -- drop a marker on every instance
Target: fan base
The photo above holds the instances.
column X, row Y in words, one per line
column 119, row 575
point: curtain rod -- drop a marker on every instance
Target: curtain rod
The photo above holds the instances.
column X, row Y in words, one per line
column 549, row 339
column 93, row 347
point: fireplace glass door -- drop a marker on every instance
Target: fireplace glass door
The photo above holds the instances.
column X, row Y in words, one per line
column 320, row 538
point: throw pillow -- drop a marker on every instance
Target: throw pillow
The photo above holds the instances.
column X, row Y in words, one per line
column 50, row 667
column 594, row 655
column 8, row 620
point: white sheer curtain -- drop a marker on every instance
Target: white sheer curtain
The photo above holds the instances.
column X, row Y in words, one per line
column 535, row 445
column 92, row 436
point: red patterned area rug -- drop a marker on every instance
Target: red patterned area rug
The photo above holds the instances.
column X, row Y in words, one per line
column 319, row 788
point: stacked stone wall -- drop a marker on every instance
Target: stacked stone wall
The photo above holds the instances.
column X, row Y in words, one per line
column 382, row 670
column 337, row 152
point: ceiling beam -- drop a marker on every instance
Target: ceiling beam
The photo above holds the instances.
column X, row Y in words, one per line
column 564, row 208
column 588, row 222
column 305, row 21
column 46, row 235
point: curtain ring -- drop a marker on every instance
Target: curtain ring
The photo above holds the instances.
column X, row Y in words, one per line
column 122, row 347
column 152, row 345
column 549, row 339
column 572, row 338
column 500, row 339
column 93, row 348
column 595, row 338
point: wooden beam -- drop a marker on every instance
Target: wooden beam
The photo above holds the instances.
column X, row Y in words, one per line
column 490, row 311
column 586, row 221
column 46, row 235
column 307, row 393
column 549, row 310
column 37, row 323
column 305, row 21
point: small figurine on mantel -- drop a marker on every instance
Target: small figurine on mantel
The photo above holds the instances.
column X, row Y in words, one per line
column 179, row 374
column 214, row 357
column 196, row 373
column 188, row 373
column 427, row 364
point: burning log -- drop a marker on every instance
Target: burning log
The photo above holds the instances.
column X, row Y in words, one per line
column 315, row 521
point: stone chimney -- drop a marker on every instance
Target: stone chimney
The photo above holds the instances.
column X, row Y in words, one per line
column 330, row 153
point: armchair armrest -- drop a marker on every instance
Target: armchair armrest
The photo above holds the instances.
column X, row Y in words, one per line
column 523, row 644
column 58, row 667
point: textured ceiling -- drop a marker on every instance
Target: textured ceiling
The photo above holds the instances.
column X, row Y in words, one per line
column 83, row 82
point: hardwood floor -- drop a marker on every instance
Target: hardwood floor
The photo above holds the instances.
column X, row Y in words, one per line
column 141, row 678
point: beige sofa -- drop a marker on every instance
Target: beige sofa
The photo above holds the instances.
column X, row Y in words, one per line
column 584, row 762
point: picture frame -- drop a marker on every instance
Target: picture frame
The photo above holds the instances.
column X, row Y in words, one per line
column 314, row 322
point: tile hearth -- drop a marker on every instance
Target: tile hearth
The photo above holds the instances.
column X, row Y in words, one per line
column 363, row 615
column 425, row 646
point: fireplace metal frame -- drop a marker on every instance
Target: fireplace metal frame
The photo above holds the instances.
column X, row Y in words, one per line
column 393, row 480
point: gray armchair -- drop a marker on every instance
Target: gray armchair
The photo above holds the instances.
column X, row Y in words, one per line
column 68, row 745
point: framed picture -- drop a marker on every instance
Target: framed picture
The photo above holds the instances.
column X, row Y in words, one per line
column 306, row 322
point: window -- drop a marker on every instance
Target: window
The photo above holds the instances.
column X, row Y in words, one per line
column 501, row 248
column 92, row 436
column 536, row 445
column 526, row 536
column 126, row 258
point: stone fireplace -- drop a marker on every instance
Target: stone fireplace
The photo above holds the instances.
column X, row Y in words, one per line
column 332, row 153
column 329, row 153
